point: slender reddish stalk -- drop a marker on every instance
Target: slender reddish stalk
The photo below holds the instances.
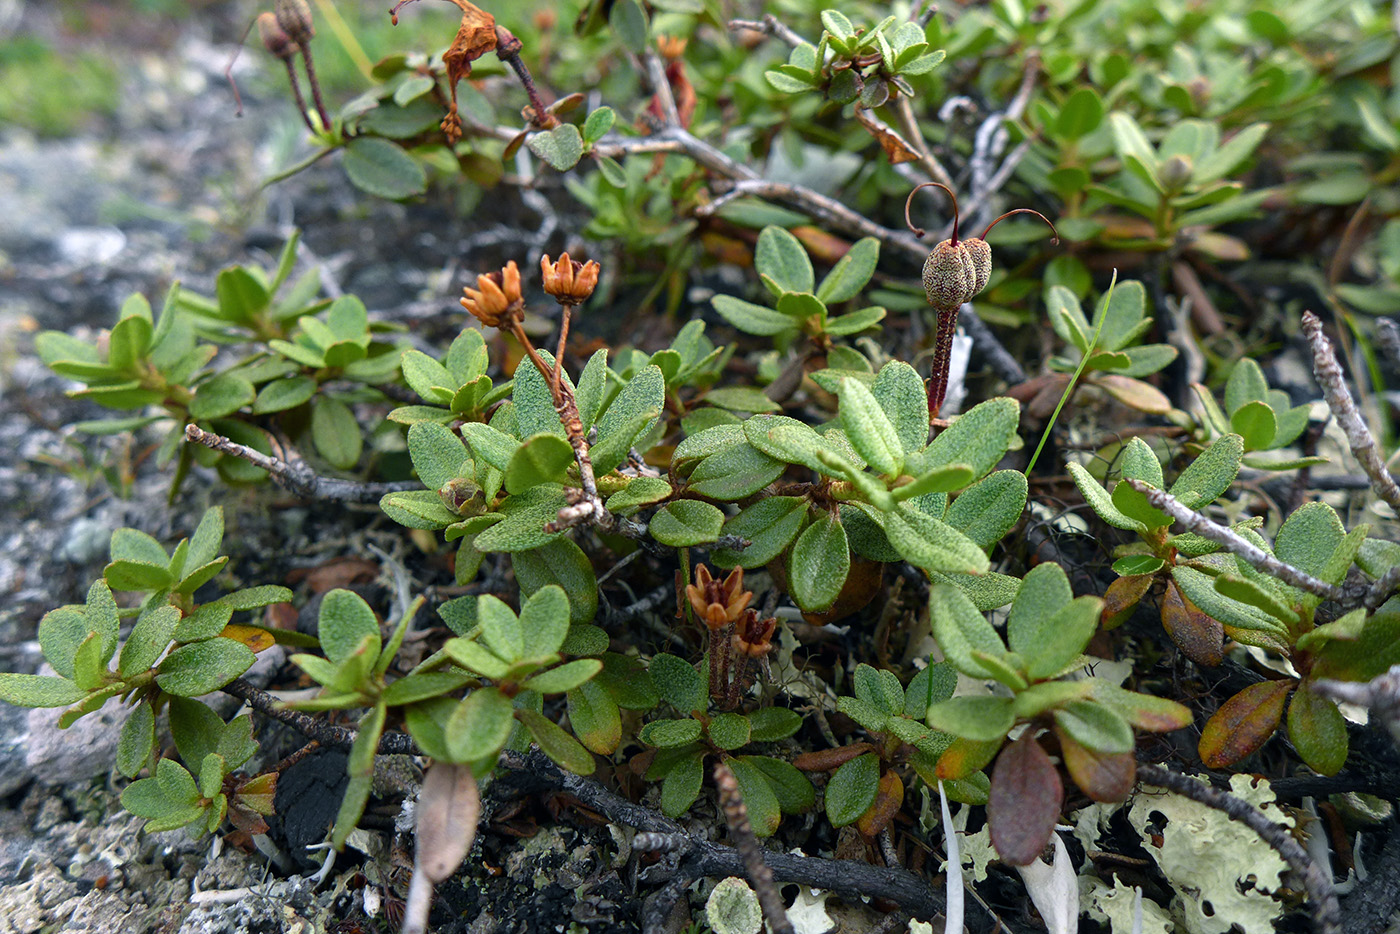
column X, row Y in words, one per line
column 919, row 231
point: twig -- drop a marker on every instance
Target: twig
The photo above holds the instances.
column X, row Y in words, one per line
column 771, row 25
column 296, row 476
column 737, row 817
column 508, row 50
column 1339, row 400
column 1388, row 339
column 1381, row 694
column 1326, row 911
column 1235, row 543
column 910, row 124
column 327, row 734
column 661, row 87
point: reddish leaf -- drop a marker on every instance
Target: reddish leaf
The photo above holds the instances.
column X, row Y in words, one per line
column 1024, row 802
column 1243, row 723
column 896, row 149
column 1122, row 597
column 824, row 760
column 964, row 757
column 1106, row 777
column 1199, row 636
column 888, row 800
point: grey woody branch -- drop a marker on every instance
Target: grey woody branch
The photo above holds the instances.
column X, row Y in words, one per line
column 1235, row 543
column 294, row 474
column 1339, row 400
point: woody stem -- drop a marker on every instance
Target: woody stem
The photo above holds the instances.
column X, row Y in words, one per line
column 567, row 409
column 508, row 50
column 942, row 359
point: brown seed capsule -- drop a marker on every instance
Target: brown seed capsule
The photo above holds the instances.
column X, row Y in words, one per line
column 496, row 301
column 294, row 16
column 949, row 275
column 274, row 37
column 569, row 281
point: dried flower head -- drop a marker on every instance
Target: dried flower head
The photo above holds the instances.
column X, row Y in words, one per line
column 496, row 301
column 753, row 636
column 274, row 37
column 294, row 16
column 569, row 281
column 718, row 603
column 671, row 47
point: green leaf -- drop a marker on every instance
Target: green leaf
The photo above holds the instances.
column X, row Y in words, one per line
column 489, row 444
column 137, row 740
column 794, row 793
column 561, row 147
column 686, row 522
column 678, row 683
column 960, row 629
column 1081, row 114
column 565, row 677
column 990, row 508
column 640, row 491
column 628, row 20
column 383, row 169
column 761, row 802
column 561, row 563
column 978, row 438
column 1255, row 594
column 345, row 621
column 631, row 415
column 1095, row 726
column 598, row 123
column 418, row 509
column 526, row 515
column 200, row 667
column 741, row 399
column 542, row 458
column 38, row 690
column 1199, row 588
column 878, row 687
column 734, row 473
column 931, row 544
column 751, row 318
column 480, row 725
column 1318, row 731
column 981, row 719
column 422, row 686
column 769, row 525
column 729, row 730
column 771, row 724
column 856, row 321
column 1255, row 423
column 868, row 428
column 555, row 743
column 205, row 622
column 594, row 716
column 781, row 259
column 851, row 272
column 628, row 682
column 1099, row 500
column 149, row 638
column 1309, row 537
column 138, row 576
column 670, row 734
column 900, row 393
column 1210, row 474
column 819, row 563
column 335, row 432
column 682, row 784
column 852, row 789
column 437, row 453
column 1224, row 160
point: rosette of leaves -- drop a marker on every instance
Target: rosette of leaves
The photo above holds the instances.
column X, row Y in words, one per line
column 176, row 650
column 456, row 388
column 800, row 305
column 866, row 786
column 865, row 64
column 771, row 787
column 174, row 796
column 1180, row 182
column 1091, row 719
column 1264, row 418
column 524, row 453
column 520, row 657
column 1255, row 608
column 1152, row 562
column 881, row 491
column 1107, row 348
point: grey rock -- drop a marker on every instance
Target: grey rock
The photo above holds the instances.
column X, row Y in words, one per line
column 14, row 734
column 86, row 749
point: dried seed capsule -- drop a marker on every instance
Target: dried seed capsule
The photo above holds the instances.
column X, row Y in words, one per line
column 950, row 277
column 294, row 16
column 274, row 37
column 981, row 255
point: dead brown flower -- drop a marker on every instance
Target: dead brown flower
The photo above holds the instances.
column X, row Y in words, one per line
column 496, row 301
column 718, row 603
column 567, row 280
column 753, row 636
